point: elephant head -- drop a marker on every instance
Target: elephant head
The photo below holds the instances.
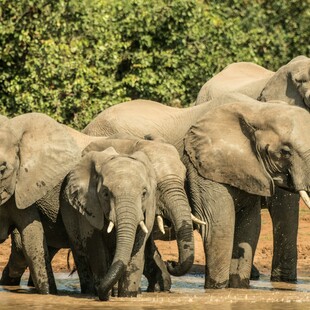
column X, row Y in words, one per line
column 107, row 187
column 253, row 147
column 172, row 199
column 35, row 155
column 291, row 83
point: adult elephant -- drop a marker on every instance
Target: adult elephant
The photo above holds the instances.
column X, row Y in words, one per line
column 170, row 174
column 35, row 155
column 291, row 85
column 107, row 190
column 234, row 153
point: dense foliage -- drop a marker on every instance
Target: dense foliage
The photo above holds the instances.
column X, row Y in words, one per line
column 73, row 58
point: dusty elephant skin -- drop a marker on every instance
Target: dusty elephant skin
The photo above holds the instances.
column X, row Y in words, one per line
column 29, row 169
column 268, row 141
column 168, row 168
column 172, row 200
column 173, row 204
column 290, row 84
column 111, row 190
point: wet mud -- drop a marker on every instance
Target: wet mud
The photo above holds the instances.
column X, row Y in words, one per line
column 187, row 292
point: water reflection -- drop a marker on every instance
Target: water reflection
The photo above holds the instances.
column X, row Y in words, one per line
column 187, row 293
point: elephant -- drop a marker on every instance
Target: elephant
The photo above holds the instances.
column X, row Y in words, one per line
column 106, row 190
column 234, row 153
column 170, row 174
column 290, row 84
column 35, row 154
column 172, row 204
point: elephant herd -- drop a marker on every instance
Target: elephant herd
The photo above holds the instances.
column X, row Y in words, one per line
column 107, row 191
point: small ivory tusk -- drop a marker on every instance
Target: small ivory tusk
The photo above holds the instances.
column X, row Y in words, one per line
column 110, row 227
column 142, row 225
column 197, row 220
column 160, row 223
column 304, row 196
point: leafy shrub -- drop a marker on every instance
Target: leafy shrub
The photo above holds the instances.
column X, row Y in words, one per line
column 71, row 59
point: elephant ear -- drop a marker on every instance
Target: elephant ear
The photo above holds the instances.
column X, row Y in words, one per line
column 281, row 85
column 221, row 147
column 47, row 153
column 82, row 186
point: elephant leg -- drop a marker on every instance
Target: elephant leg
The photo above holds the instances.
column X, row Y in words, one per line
column 219, row 213
column 29, row 225
column 17, row 263
column 284, row 212
column 71, row 221
column 155, row 269
column 98, row 260
column 247, row 229
column 52, row 252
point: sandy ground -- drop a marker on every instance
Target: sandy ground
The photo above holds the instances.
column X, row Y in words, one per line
column 168, row 249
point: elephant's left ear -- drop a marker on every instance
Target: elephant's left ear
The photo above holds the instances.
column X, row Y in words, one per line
column 220, row 147
column 47, row 153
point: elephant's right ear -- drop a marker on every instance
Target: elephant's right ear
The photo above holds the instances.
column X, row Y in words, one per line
column 46, row 154
column 81, row 191
column 82, row 186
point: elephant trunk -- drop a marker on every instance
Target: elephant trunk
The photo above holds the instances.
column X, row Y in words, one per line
column 179, row 212
column 126, row 227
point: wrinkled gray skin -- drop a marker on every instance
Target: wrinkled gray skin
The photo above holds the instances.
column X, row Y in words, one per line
column 29, row 169
column 269, row 142
column 290, row 84
column 108, row 187
column 170, row 174
column 172, row 202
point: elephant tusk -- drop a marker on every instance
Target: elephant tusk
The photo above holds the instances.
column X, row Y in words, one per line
column 197, row 220
column 142, row 225
column 304, row 196
column 110, row 227
column 160, row 223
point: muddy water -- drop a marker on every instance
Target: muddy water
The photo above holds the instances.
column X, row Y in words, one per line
column 187, row 293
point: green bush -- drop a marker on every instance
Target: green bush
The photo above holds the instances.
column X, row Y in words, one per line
column 71, row 59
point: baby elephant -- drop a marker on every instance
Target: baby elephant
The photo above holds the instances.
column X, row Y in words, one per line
column 109, row 209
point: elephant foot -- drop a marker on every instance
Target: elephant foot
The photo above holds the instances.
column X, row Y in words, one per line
column 254, row 273
column 212, row 284
column 7, row 280
column 279, row 278
column 236, row 282
column 162, row 282
column 128, row 294
column 159, row 287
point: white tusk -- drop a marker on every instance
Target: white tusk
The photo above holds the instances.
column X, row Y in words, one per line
column 197, row 220
column 142, row 225
column 160, row 223
column 304, row 196
column 110, row 227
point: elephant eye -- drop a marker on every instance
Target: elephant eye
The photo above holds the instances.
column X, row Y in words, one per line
column 301, row 81
column 286, row 152
column 144, row 193
column 105, row 192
